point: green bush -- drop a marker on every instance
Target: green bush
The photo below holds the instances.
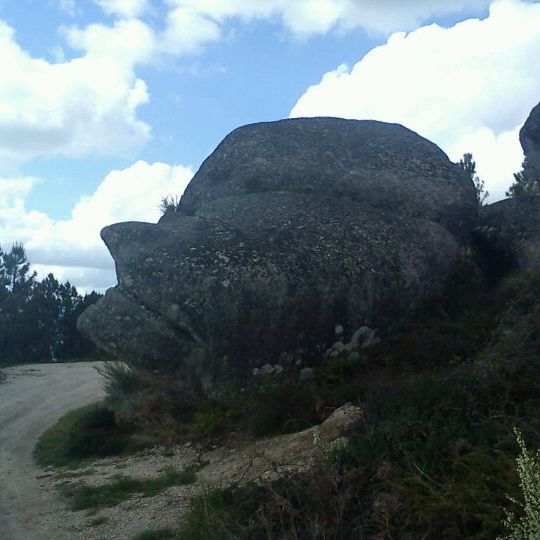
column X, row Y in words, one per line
column 89, row 432
column 222, row 514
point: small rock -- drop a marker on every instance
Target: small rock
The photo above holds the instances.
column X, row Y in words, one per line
column 267, row 369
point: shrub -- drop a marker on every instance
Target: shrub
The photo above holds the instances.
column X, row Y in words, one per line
column 89, row 432
column 526, row 182
column 527, row 526
column 221, row 514
column 169, row 203
column 120, row 379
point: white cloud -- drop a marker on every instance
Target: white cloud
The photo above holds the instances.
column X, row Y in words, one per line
column 85, row 279
column 123, row 8
column 308, row 17
column 127, row 42
column 74, row 245
column 468, row 88
column 85, row 106
column 187, row 30
column 89, row 105
column 15, row 189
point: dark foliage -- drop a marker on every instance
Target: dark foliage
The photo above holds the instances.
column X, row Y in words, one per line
column 526, row 182
column 38, row 318
column 469, row 166
column 434, row 454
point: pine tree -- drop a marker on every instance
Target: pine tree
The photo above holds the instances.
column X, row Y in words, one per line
column 469, row 166
column 526, row 182
column 38, row 318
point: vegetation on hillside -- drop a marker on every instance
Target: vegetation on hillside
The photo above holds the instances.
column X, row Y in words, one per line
column 434, row 454
column 38, row 318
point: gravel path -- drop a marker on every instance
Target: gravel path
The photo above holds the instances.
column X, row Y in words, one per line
column 33, row 398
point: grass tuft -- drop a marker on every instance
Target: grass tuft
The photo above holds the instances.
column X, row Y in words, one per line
column 122, row 488
column 85, row 433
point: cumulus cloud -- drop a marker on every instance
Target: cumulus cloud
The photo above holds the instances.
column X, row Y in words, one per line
column 72, row 248
column 87, row 105
column 469, row 88
column 187, row 30
column 126, row 42
column 308, row 17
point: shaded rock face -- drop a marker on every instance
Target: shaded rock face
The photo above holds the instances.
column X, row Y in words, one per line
column 529, row 136
column 509, row 233
column 289, row 230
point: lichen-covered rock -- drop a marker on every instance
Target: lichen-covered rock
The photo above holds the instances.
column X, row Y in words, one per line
column 289, row 230
column 386, row 165
column 529, row 136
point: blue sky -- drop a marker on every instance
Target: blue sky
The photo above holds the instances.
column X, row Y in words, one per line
column 108, row 105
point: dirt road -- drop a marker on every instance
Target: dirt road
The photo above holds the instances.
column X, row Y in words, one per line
column 32, row 398
column 32, row 507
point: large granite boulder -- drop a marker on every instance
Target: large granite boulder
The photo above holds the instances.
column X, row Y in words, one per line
column 529, row 136
column 289, row 230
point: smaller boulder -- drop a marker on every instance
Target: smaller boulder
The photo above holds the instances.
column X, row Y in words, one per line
column 509, row 234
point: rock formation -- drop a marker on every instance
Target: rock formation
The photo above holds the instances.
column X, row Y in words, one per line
column 509, row 230
column 289, row 230
column 529, row 136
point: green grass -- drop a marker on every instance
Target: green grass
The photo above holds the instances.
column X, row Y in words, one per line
column 122, row 488
column 86, row 433
column 220, row 514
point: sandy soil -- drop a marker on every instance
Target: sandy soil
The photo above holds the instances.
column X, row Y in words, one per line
column 32, row 398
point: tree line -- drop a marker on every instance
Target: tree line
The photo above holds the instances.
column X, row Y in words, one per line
column 38, row 318
column 526, row 182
